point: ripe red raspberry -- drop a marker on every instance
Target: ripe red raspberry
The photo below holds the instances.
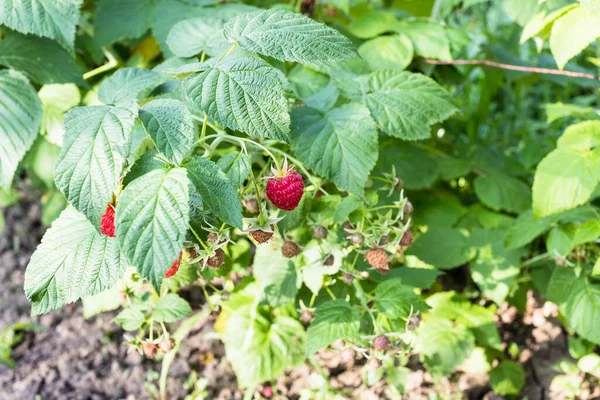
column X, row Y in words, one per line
column 285, row 188
column 290, row 249
column 174, row 268
column 107, row 223
column 377, row 258
column 262, row 236
column 381, row 342
column 267, row 392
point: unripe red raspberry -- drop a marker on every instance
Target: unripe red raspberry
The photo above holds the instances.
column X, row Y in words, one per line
column 285, row 188
column 150, row 349
column 385, row 239
column 357, row 239
column 166, row 345
column 251, row 206
column 407, row 239
column 320, row 232
column 381, row 342
column 212, row 237
column 174, row 268
column 107, row 223
column 408, row 208
column 290, row 249
column 377, row 258
column 399, row 183
column 217, row 260
column 306, row 316
column 262, row 236
column 347, row 278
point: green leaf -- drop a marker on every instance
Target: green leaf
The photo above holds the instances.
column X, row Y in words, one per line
column 541, row 24
column 372, row 23
column 72, row 261
column 495, row 268
column 508, row 378
column 442, row 345
column 152, row 221
column 88, row 167
column 276, row 275
column 444, row 248
column 440, row 210
column 288, row 36
column 40, row 58
column 334, row 319
column 582, row 136
column 420, row 278
column 345, row 208
column 521, row 11
column 340, row 144
column 396, row 300
column 20, row 116
column 572, row 33
column 170, row 125
column 405, row 104
column 525, row 229
column 237, row 167
column 215, row 189
column 243, row 93
column 556, row 111
column 578, row 300
column 387, row 52
column 123, row 19
column 560, row 240
column 451, row 305
column 171, row 308
column 503, row 192
column 589, row 363
column 126, row 83
column 564, row 179
column 171, row 12
column 260, row 345
column 417, row 167
column 108, row 300
column 193, row 36
column 429, row 39
column 56, row 101
column 589, row 231
column 130, row 319
column 54, row 19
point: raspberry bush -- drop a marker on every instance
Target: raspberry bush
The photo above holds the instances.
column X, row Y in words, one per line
column 266, row 155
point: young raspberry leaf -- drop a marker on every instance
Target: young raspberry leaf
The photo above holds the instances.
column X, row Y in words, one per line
column 215, row 189
column 171, row 308
column 170, row 125
column 73, row 261
column 152, row 221
column 334, row 319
